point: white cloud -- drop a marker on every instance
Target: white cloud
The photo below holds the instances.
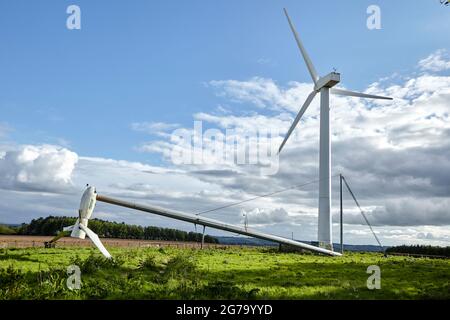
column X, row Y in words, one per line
column 394, row 154
column 263, row 93
column 261, row 216
column 437, row 61
column 391, row 151
column 408, row 212
column 153, row 127
column 44, row 167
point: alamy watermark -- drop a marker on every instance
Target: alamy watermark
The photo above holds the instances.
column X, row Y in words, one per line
column 73, row 21
column 74, row 277
column 374, row 280
column 374, row 19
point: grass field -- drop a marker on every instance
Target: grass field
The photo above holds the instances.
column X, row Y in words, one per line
column 231, row 273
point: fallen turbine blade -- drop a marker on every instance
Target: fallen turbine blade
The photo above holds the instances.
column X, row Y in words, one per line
column 96, row 240
column 298, row 117
column 357, row 94
column 307, row 59
column 69, row 228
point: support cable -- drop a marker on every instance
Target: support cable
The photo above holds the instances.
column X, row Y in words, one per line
column 264, row 195
column 362, row 213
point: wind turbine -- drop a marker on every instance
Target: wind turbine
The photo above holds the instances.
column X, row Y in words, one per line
column 323, row 85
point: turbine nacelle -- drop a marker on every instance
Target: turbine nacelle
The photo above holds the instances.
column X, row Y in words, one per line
column 87, row 206
column 328, row 81
column 80, row 229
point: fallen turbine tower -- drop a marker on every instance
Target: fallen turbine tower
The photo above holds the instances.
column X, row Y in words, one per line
column 90, row 197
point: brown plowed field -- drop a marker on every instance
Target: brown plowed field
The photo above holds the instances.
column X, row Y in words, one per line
column 38, row 241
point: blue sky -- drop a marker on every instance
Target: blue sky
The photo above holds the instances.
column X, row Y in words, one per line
column 149, row 60
column 69, row 100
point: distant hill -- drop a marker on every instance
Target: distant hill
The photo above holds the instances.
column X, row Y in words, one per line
column 361, row 248
column 6, row 229
column 11, row 225
column 258, row 242
column 245, row 241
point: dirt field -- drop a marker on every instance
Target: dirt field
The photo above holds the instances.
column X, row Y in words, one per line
column 38, row 241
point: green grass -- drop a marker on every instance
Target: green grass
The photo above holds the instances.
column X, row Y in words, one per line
column 216, row 274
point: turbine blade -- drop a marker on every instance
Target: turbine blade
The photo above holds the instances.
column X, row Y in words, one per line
column 357, row 94
column 69, row 228
column 297, row 119
column 308, row 61
column 77, row 232
column 96, row 240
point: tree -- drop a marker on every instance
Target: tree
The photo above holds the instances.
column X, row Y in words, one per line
column 52, row 225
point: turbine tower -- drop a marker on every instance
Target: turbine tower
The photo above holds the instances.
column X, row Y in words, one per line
column 324, row 86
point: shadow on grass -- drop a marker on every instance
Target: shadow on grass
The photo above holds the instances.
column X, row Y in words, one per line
column 17, row 257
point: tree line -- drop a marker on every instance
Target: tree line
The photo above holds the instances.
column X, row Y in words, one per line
column 52, row 225
column 418, row 249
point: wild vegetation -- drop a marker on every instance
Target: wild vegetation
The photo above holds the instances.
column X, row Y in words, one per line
column 231, row 273
column 51, row 225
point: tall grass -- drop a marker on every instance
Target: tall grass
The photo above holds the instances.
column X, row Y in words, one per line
column 215, row 274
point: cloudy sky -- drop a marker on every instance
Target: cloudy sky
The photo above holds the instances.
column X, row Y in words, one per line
column 100, row 105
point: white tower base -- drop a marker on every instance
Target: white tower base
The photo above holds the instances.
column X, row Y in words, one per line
column 325, row 224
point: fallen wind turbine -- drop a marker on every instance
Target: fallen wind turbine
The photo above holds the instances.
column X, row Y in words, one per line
column 90, row 197
column 323, row 85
